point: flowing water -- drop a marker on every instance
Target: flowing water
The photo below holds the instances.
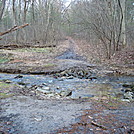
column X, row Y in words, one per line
column 80, row 87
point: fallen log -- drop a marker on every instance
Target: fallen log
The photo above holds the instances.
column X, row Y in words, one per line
column 13, row 29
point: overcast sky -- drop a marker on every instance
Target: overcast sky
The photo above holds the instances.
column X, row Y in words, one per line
column 67, row 2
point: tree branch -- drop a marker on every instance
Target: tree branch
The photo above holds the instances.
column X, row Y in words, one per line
column 13, row 29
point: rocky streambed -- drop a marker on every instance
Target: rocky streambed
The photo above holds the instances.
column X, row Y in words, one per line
column 72, row 84
column 45, row 103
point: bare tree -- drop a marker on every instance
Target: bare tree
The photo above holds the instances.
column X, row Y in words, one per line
column 2, row 7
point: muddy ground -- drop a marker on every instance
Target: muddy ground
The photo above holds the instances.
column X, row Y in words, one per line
column 56, row 89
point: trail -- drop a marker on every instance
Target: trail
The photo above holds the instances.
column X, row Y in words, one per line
column 71, row 52
column 31, row 112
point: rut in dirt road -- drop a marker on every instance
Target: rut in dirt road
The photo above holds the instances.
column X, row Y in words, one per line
column 71, row 53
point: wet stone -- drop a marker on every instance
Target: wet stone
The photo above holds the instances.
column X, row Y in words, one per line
column 8, row 81
column 38, row 118
column 18, row 76
column 128, row 95
column 43, row 91
column 66, row 93
column 46, row 88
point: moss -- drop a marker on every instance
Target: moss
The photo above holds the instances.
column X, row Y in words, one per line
column 4, row 60
column 49, row 65
column 39, row 50
column 4, row 85
column 5, row 95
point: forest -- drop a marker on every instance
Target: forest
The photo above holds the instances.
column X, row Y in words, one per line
column 66, row 66
column 100, row 22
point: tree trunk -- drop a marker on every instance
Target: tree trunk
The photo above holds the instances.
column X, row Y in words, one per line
column 123, row 5
column 2, row 9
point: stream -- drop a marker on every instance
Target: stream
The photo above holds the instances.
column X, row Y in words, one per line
column 60, row 102
column 72, row 87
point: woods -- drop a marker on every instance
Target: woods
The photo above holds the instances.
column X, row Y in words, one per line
column 101, row 22
column 66, row 66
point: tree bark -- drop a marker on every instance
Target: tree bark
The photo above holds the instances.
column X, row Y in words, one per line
column 2, row 9
column 13, row 29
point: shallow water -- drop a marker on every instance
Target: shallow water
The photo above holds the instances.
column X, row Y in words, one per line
column 81, row 88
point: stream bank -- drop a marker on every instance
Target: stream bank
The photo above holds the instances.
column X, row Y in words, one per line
column 50, row 104
column 48, row 91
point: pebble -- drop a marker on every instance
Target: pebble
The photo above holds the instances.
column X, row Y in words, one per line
column 50, row 81
column 128, row 95
column 8, row 81
column 38, row 118
column 46, row 88
column 66, row 93
column 51, row 95
column 70, row 77
column 57, row 87
column 45, row 84
column 125, row 100
column 43, row 91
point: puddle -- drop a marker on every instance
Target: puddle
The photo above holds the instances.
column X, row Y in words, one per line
column 70, row 54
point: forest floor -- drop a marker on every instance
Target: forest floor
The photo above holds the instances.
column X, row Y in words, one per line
column 66, row 54
column 70, row 65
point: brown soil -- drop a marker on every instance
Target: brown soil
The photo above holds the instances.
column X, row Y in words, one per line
column 43, row 60
column 101, row 117
column 106, row 116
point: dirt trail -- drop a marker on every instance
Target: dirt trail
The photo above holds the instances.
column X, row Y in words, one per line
column 25, row 114
column 65, row 55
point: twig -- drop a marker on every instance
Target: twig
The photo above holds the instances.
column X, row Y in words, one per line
column 98, row 125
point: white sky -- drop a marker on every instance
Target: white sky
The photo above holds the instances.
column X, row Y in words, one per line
column 67, row 2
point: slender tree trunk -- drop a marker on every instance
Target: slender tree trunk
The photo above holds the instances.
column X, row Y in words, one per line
column 14, row 19
column 49, row 4
column 33, row 21
column 2, row 9
column 123, row 5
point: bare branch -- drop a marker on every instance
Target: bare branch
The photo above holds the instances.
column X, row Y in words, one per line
column 13, row 29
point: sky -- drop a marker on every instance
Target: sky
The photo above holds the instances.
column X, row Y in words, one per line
column 67, row 2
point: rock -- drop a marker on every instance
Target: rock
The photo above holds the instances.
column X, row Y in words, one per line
column 86, row 96
column 43, row 91
column 45, row 84
column 131, row 86
column 92, row 78
column 125, row 100
column 128, row 90
column 51, row 95
column 50, row 81
column 22, row 83
column 46, row 88
column 128, row 95
column 18, row 76
column 7, row 81
column 57, row 87
column 38, row 118
column 70, row 77
column 66, row 93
